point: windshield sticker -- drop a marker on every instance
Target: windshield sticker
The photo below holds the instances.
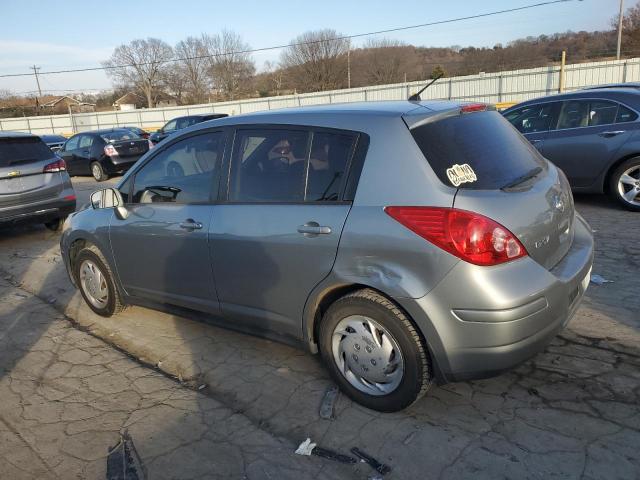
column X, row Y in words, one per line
column 461, row 174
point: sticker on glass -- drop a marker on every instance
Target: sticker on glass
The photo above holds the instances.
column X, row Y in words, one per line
column 461, row 174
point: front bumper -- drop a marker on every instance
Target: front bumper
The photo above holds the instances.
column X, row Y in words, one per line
column 480, row 321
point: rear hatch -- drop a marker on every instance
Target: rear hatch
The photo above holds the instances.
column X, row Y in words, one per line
column 499, row 174
column 22, row 178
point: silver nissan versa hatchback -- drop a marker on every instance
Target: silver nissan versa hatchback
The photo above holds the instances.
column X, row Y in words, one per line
column 406, row 242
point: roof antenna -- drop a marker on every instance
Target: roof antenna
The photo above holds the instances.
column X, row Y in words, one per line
column 416, row 96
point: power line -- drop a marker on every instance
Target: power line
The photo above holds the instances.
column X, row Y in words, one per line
column 278, row 47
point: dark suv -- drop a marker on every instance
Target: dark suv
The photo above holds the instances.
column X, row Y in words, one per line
column 180, row 123
column 34, row 185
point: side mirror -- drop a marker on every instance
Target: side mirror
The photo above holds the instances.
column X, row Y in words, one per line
column 109, row 198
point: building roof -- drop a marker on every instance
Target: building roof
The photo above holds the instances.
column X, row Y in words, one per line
column 127, row 98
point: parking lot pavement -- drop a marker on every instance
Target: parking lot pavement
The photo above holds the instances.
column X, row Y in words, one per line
column 85, row 186
column 571, row 412
column 65, row 396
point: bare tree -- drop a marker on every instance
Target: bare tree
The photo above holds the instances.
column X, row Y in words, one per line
column 318, row 59
column 142, row 64
column 275, row 75
column 384, row 61
column 230, row 65
column 192, row 66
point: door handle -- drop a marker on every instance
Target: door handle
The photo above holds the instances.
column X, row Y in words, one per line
column 534, row 142
column 612, row 133
column 191, row 224
column 312, row 229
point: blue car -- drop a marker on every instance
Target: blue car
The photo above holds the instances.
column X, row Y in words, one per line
column 593, row 135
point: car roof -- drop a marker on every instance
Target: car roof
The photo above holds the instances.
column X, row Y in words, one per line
column 634, row 85
column 352, row 109
column 625, row 95
column 16, row 135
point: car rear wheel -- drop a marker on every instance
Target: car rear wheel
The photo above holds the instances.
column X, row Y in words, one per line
column 97, row 283
column 374, row 352
column 98, row 172
column 624, row 185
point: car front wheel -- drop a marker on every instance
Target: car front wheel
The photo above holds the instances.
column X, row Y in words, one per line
column 625, row 184
column 374, row 352
column 97, row 283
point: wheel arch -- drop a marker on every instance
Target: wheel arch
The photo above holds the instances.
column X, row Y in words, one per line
column 606, row 178
column 80, row 242
column 324, row 296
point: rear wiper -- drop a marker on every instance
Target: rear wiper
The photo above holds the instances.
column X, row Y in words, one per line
column 522, row 178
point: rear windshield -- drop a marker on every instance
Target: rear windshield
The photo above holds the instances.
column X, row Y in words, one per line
column 53, row 138
column 16, row 151
column 478, row 150
column 119, row 135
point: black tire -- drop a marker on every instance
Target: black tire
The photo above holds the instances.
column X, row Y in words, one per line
column 614, row 180
column 417, row 376
column 98, row 172
column 54, row 225
column 114, row 304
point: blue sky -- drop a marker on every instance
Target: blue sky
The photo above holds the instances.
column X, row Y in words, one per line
column 76, row 33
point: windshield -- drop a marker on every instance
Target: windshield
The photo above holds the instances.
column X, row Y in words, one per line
column 119, row 135
column 478, row 150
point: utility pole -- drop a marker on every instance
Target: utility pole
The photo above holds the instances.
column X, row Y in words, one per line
column 620, row 29
column 35, row 72
column 349, row 67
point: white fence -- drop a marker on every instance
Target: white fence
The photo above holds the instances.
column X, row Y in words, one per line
column 509, row 86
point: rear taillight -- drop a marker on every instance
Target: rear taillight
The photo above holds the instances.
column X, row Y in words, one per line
column 151, row 145
column 110, row 151
column 470, row 236
column 57, row 166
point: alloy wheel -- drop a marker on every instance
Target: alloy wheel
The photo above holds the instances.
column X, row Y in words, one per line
column 629, row 185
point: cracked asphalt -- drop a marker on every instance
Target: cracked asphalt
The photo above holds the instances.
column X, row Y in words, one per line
column 70, row 381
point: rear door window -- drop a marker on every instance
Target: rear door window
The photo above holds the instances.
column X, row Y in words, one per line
column 85, row 142
column 485, row 141
column 17, row 151
column 269, row 166
column 602, row 112
column 532, row 118
column 328, row 162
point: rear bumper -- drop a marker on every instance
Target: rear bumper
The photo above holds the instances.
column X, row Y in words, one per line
column 480, row 321
column 41, row 211
column 121, row 165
